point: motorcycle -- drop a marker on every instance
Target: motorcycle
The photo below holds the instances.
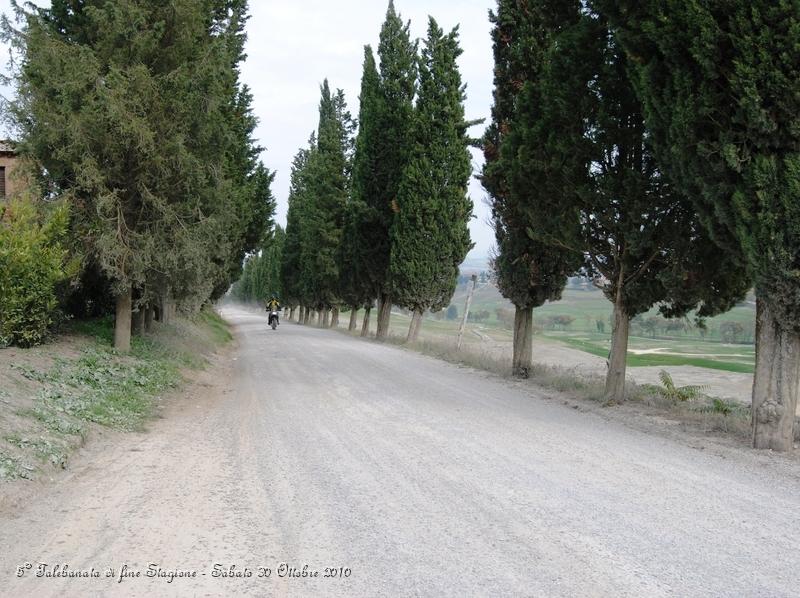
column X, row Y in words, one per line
column 273, row 318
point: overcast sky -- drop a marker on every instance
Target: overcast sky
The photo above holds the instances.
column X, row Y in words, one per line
column 293, row 46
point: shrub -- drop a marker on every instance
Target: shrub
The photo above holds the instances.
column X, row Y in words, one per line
column 730, row 332
column 676, row 394
column 32, row 262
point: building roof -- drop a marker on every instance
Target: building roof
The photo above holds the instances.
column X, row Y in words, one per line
column 7, row 146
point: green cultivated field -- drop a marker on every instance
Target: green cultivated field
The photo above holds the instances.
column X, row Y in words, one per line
column 648, row 347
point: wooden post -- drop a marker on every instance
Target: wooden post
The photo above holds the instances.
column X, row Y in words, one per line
column 466, row 312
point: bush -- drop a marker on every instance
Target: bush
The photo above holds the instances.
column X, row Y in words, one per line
column 32, row 262
column 673, row 393
column 730, row 332
column 479, row 316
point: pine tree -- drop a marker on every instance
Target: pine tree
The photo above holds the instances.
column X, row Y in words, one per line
column 430, row 236
column 719, row 82
column 391, row 148
column 528, row 271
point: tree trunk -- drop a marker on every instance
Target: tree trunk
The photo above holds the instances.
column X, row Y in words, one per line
column 365, row 325
column 353, row 319
column 775, row 384
column 523, row 342
column 149, row 312
column 122, row 325
column 290, row 315
column 167, row 308
column 137, row 322
column 302, row 317
column 416, row 324
column 384, row 315
column 323, row 318
column 335, row 317
column 615, row 378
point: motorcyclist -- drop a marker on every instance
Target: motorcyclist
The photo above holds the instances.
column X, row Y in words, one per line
column 274, row 305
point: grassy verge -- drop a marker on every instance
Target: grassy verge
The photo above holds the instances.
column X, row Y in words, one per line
column 59, row 398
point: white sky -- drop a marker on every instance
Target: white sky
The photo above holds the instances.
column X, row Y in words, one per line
column 293, row 46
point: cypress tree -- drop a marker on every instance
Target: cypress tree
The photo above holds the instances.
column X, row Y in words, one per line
column 327, row 187
column 719, row 82
column 291, row 274
column 391, row 148
column 529, row 272
column 430, row 237
column 362, row 244
column 261, row 277
column 637, row 237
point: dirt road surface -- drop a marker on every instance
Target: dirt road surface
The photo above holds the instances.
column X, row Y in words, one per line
column 419, row 477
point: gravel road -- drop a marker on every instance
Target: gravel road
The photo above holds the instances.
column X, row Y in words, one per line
column 418, row 477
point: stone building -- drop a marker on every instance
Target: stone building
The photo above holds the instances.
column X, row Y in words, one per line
column 8, row 160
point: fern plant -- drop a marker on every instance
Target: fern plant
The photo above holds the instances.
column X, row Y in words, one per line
column 678, row 394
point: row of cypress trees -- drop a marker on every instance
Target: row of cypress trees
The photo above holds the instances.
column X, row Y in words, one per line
column 654, row 147
column 383, row 216
column 261, row 274
column 133, row 114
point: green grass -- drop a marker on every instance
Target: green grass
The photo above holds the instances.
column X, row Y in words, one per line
column 635, row 360
column 216, row 325
column 101, row 329
column 102, row 387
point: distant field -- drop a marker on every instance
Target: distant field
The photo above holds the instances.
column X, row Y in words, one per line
column 650, row 352
column 589, row 306
column 647, row 348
